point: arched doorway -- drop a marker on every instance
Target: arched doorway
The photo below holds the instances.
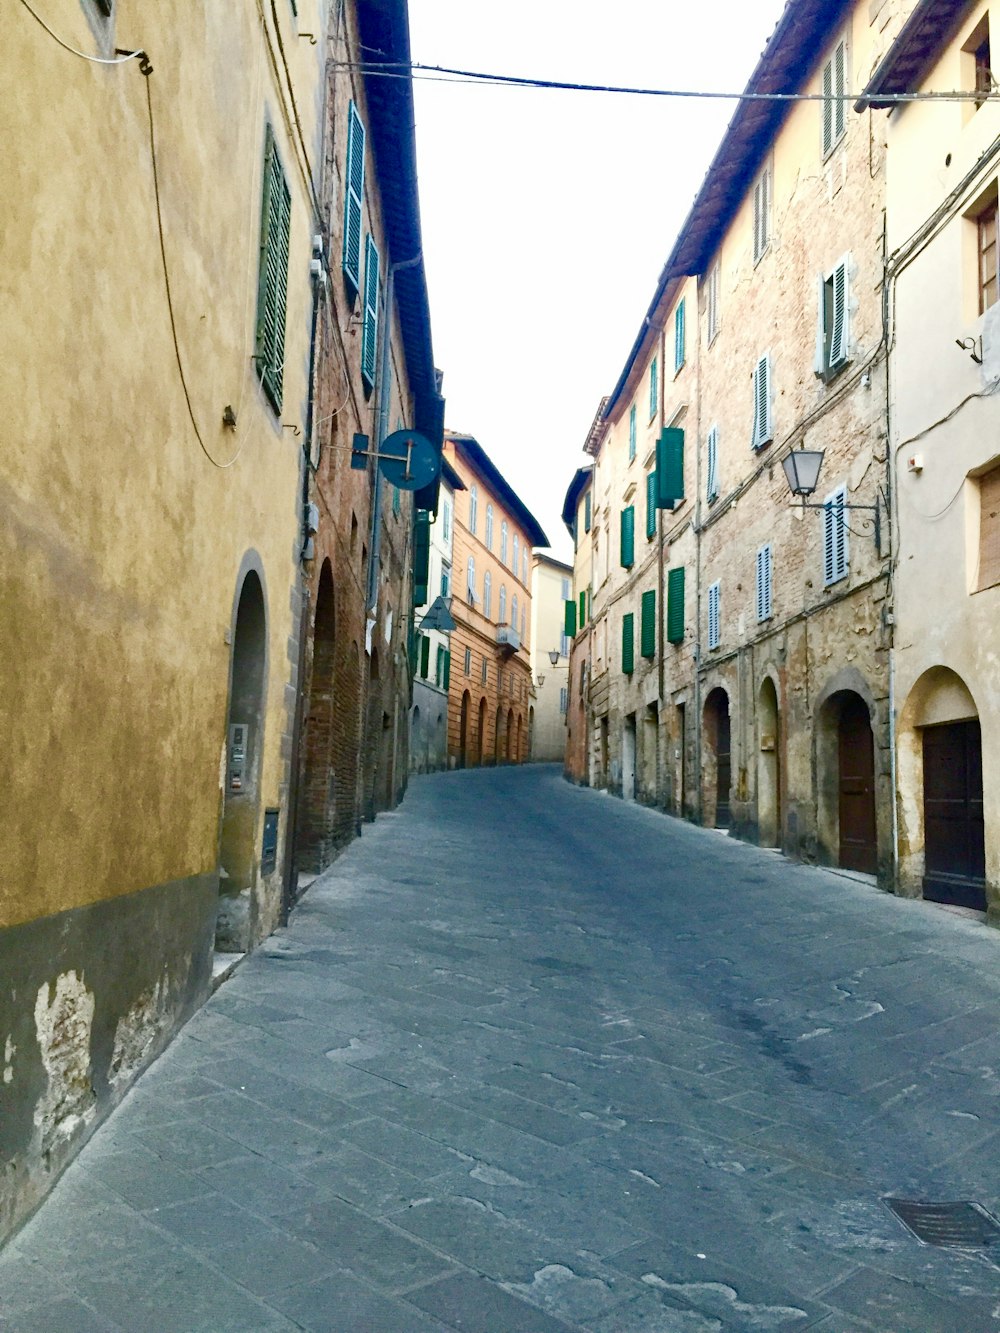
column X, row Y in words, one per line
column 531, row 731
column 718, row 759
column 511, row 756
column 520, row 756
column 244, row 746
column 318, row 797
column 845, row 764
column 481, row 734
column 463, row 731
column 768, row 766
column 418, row 755
column 628, row 758
column 942, row 834
column 498, row 737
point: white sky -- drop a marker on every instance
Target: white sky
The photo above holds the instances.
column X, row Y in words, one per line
column 547, row 215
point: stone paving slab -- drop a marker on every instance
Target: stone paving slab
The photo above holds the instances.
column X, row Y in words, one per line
column 528, row 1058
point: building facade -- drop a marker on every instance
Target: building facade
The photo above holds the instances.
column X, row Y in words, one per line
column 432, row 658
column 551, row 586
column 577, row 517
column 489, row 674
column 943, row 163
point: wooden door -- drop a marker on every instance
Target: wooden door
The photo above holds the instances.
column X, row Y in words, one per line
column 954, row 838
column 856, row 760
column 724, row 771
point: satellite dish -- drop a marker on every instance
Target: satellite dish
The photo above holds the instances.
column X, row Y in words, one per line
column 408, row 460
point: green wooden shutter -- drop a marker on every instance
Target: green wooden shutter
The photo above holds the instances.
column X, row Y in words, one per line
column 586, row 512
column 272, row 284
column 628, row 643
column 425, row 656
column 628, row 537
column 631, row 433
column 569, row 618
column 647, row 641
column 583, row 608
column 654, row 387
column 651, row 503
column 679, row 337
column 446, row 681
column 354, row 197
column 421, row 556
column 675, row 605
column 369, row 331
column 669, row 467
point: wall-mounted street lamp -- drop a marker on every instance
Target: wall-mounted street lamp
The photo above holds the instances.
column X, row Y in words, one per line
column 554, row 656
column 802, row 474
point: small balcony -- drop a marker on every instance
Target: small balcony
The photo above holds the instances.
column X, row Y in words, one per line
column 508, row 640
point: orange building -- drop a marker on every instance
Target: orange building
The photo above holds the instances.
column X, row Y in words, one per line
column 489, row 674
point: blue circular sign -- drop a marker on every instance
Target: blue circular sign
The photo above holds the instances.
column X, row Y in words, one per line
column 408, row 460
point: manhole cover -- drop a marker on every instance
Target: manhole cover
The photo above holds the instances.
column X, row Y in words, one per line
column 963, row 1225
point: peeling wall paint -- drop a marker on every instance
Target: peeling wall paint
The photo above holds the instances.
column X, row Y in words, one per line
column 63, row 1026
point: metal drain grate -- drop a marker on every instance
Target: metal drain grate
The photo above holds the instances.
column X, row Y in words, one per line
column 961, row 1225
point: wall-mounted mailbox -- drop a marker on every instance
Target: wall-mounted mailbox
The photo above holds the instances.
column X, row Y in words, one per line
column 236, row 781
column 269, row 849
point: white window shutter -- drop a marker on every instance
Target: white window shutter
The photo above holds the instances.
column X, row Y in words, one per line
column 762, row 430
column 764, row 582
column 713, row 463
column 839, row 86
column 713, row 616
column 819, row 360
column 838, row 333
column 827, row 107
column 834, row 536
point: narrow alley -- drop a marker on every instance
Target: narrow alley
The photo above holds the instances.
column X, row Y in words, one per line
column 528, row 1058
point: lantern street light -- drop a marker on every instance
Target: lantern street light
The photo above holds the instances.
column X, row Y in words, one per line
column 802, row 474
column 554, row 656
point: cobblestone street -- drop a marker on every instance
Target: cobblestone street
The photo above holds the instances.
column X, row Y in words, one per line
column 528, row 1058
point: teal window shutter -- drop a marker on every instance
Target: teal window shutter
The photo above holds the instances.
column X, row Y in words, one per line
column 669, row 467
column 647, row 642
column 586, row 512
column 628, row 537
column 631, row 433
column 421, row 556
column 569, row 618
column 679, row 337
column 654, row 387
column 651, row 503
column 369, row 331
column 446, row 675
column 272, row 281
column 583, row 608
column 438, row 665
column 354, row 197
column 675, row 605
column 425, row 656
column 628, row 643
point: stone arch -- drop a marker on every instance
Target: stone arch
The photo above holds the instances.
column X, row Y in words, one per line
column 511, row 756
column 481, row 732
column 317, row 802
column 463, row 730
column 717, row 759
column 520, row 755
column 939, row 701
column 844, row 739
column 769, row 823
column 498, row 736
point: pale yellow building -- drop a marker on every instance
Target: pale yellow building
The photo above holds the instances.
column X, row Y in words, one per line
column 551, row 589
column 943, row 165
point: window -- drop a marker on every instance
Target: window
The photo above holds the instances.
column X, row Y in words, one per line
column 564, row 590
column 502, row 613
column 564, row 644
column 516, row 561
column 425, row 656
column 439, row 665
column 675, row 605
column 369, row 329
column 471, row 581
column 763, row 430
column 654, row 387
column 763, row 583
column 488, row 595
column 647, row 629
column 762, row 213
column 631, row 433
column 986, row 227
column 468, row 661
column 832, row 336
column 563, row 698
column 669, row 467
column 977, row 54
column 586, row 512
column 354, row 194
column 445, row 580
column 485, row 669
column 272, row 279
column 989, row 530
column 503, row 541
column 583, row 608
column 446, row 523
column 489, row 527
column 712, row 303
column 524, row 610
column 473, row 509
column 714, row 599
column 834, row 89
column 628, row 537
column 834, row 537
column 628, row 644
column 513, row 611
column 984, row 74
column 651, row 503
column 679, row 337
column 524, row 564
column 712, row 487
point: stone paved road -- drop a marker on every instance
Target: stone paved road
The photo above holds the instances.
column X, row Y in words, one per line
column 529, row 1060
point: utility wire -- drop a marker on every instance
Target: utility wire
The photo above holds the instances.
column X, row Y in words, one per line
column 94, row 60
column 447, row 74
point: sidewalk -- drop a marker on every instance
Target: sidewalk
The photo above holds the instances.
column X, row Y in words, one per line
column 528, row 1060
